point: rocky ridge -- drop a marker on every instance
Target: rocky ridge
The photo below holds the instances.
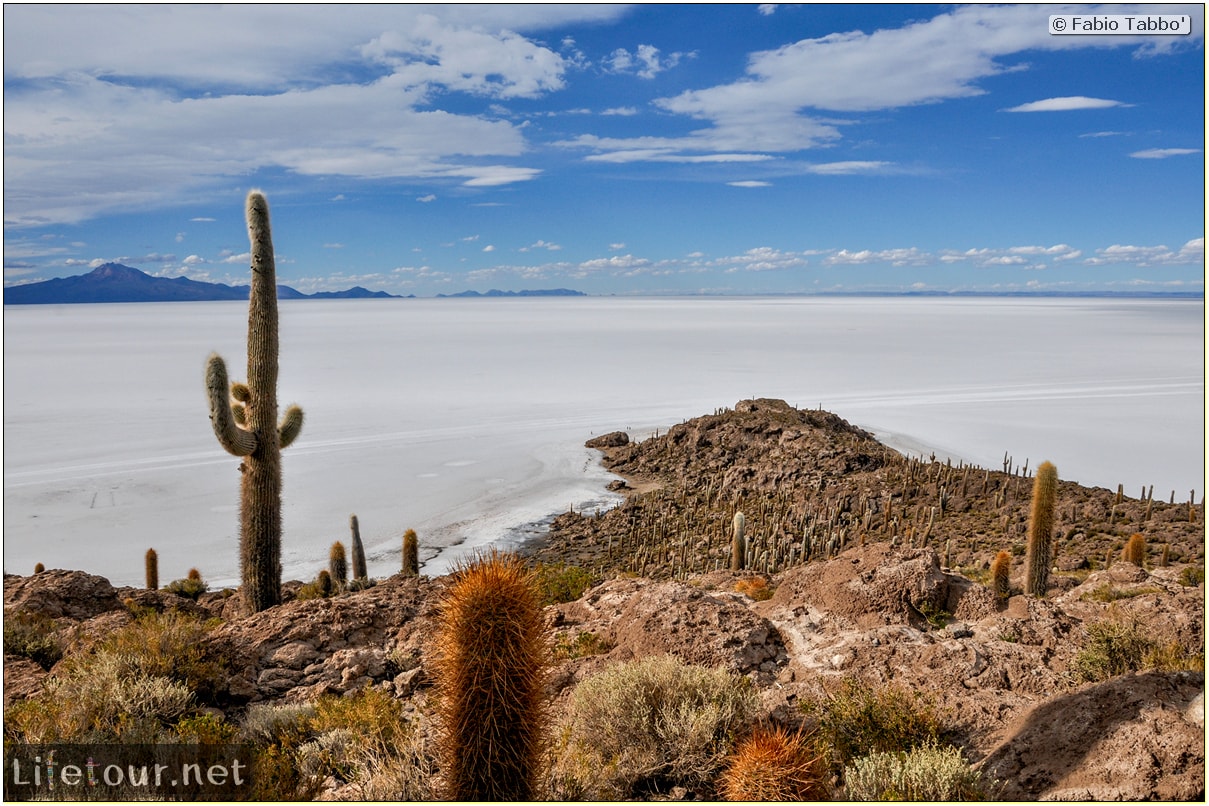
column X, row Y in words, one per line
column 886, row 608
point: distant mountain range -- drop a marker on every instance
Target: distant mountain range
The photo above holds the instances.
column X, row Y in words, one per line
column 113, row 282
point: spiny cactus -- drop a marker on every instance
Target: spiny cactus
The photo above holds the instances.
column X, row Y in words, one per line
column 359, row 570
column 338, row 565
column 151, row 565
column 1135, row 550
column 39, row 568
column 248, row 427
column 1000, row 569
column 774, row 765
column 738, row 553
column 490, row 676
column 194, row 575
column 325, row 584
column 1040, row 528
column 411, row 553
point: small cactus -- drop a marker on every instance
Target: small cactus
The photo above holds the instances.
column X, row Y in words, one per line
column 773, row 765
column 338, row 565
column 151, row 565
column 738, row 559
column 411, row 554
column 1135, row 550
column 1000, row 569
column 1040, row 529
column 359, row 569
column 39, row 568
column 194, row 575
column 491, row 676
column 325, row 583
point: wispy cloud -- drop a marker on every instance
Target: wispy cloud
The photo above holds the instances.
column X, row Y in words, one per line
column 750, row 183
column 1066, row 104
column 1191, row 252
column 645, row 62
column 1163, row 153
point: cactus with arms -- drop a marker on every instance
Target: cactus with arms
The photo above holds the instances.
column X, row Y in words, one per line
column 248, row 427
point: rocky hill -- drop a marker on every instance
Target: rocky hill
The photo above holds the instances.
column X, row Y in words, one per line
column 853, row 588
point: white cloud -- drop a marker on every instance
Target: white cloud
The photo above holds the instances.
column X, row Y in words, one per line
column 613, row 247
column 427, row 197
column 622, row 111
column 1163, row 153
column 203, row 219
column 644, row 62
column 130, row 110
column 618, row 262
column 775, row 107
column 1192, row 252
column 767, row 9
column 1066, row 104
column 552, row 247
column 896, row 257
column 489, row 248
column 750, row 183
column 1105, row 134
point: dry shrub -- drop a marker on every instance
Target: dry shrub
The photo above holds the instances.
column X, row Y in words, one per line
column 928, row 773
column 651, row 724
column 32, row 635
column 774, row 765
column 755, row 587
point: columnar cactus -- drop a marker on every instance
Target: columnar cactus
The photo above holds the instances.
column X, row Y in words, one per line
column 1135, row 550
column 491, row 674
column 737, row 553
column 1040, row 528
column 359, row 569
column 1000, row 570
column 151, row 564
column 244, row 417
column 411, row 554
column 338, row 565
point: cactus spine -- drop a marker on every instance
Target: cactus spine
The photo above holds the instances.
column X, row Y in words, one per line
column 411, row 554
column 248, row 427
column 1040, row 528
column 359, row 570
column 337, row 565
column 491, row 676
column 151, row 564
column 1000, row 569
column 738, row 552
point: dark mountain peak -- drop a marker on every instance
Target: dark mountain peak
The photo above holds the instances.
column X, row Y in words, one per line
column 116, row 271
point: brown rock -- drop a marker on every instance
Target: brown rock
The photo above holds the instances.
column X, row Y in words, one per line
column 614, row 439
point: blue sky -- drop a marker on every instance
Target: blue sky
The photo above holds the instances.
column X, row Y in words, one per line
column 642, row 149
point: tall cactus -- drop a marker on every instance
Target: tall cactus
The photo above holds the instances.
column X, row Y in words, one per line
column 1040, row 528
column 244, row 417
column 737, row 558
column 151, row 565
column 359, row 569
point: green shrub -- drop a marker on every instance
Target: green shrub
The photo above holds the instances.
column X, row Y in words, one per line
column 172, row 644
column 927, row 773
column 859, row 719
column 1192, row 575
column 32, row 635
column 583, row 645
column 189, row 588
column 649, row 725
column 559, row 582
column 1112, row 648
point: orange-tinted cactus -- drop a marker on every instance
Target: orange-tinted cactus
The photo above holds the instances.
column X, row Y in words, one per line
column 774, row 765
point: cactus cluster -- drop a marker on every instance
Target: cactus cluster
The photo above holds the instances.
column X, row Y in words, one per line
column 244, row 417
column 491, row 672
